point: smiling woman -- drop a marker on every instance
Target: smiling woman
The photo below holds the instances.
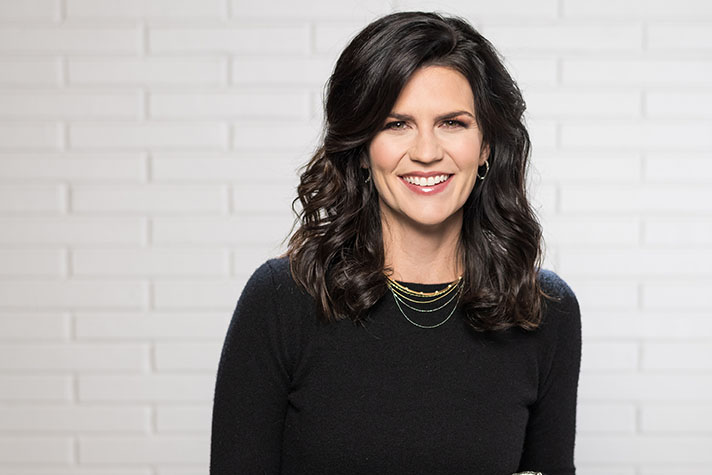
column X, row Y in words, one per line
column 415, row 225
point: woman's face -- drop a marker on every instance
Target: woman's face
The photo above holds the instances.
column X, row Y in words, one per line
column 424, row 160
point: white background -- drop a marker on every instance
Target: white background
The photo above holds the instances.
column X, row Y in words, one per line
column 147, row 162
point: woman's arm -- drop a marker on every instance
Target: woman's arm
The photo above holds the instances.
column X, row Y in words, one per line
column 551, row 430
column 252, row 385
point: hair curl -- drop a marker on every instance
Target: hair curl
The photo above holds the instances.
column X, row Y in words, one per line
column 337, row 252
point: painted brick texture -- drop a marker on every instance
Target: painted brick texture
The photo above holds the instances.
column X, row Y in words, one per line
column 148, row 158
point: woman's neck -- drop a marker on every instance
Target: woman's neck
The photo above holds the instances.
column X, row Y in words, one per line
column 423, row 255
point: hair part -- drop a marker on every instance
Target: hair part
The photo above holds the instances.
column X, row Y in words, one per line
column 337, row 253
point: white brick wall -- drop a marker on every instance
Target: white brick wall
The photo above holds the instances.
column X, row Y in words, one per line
column 148, row 155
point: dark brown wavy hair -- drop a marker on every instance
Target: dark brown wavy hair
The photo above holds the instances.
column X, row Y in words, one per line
column 337, row 252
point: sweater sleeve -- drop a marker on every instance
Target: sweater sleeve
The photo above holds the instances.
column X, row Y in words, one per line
column 551, row 429
column 252, row 384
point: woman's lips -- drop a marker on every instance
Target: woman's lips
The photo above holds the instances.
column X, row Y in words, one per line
column 425, row 189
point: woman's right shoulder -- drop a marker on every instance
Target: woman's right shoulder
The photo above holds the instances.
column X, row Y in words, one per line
column 272, row 283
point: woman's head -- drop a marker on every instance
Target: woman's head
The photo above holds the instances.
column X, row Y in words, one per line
column 337, row 254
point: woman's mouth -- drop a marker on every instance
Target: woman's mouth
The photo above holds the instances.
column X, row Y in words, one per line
column 426, row 185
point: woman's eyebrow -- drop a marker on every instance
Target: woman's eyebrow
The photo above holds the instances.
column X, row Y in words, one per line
column 446, row 116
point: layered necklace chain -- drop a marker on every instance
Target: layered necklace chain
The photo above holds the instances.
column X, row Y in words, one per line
column 426, row 302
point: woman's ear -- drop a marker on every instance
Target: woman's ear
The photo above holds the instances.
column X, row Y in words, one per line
column 484, row 153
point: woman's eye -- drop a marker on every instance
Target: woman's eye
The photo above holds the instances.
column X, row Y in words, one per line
column 397, row 125
column 454, row 123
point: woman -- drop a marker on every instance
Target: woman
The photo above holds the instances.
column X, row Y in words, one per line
column 408, row 329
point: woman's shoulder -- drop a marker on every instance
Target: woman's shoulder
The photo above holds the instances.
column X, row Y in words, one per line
column 273, row 281
column 560, row 304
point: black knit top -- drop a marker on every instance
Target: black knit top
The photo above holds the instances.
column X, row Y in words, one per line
column 296, row 396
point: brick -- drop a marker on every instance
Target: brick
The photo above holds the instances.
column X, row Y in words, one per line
column 70, row 40
column 679, row 36
column 678, row 471
column 52, row 105
column 558, row 37
column 188, row 356
column 646, row 135
column 29, row 72
column 653, row 386
column 147, row 71
column 187, row 471
column 640, row 262
column 532, row 72
column 282, row 40
column 642, row 449
column 314, row 10
column 599, row 232
column 598, row 356
column 73, row 294
column 637, row 9
column 40, row 136
column 484, row 9
column 229, row 104
column 608, row 294
column 670, row 418
column 210, row 168
column 43, row 388
column 154, row 326
column 678, row 168
column 149, row 262
column 144, row 449
column 34, row 327
column 74, row 357
column 567, row 167
column 670, row 104
column 298, row 137
column 235, row 231
column 35, row 262
column 75, row 419
column 626, row 199
column 332, row 37
column 36, row 450
column 677, row 356
column 72, row 231
column 607, row 418
column 149, row 199
column 608, row 470
column 72, row 167
column 569, row 103
column 249, row 70
column 31, row 199
column 108, row 9
column 74, row 470
column 636, row 72
column 670, row 325
column 678, row 231
column 544, row 199
column 260, row 199
column 148, row 136
column 213, row 294
column 29, row 10
column 678, row 294
column 146, row 388
column 543, row 134
column 184, row 418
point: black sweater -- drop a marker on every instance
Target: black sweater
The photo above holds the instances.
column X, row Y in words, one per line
column 295, row 396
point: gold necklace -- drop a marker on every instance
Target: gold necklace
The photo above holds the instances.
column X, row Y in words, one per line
column 401, row 292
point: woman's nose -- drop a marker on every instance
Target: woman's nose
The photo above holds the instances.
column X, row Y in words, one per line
column 426, row 148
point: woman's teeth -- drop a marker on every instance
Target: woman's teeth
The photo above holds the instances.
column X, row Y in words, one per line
column 423, row 181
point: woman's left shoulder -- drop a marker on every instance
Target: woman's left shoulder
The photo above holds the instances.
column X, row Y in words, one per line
column 559, row 301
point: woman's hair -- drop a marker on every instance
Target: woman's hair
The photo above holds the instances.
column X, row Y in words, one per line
column 337, row 252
